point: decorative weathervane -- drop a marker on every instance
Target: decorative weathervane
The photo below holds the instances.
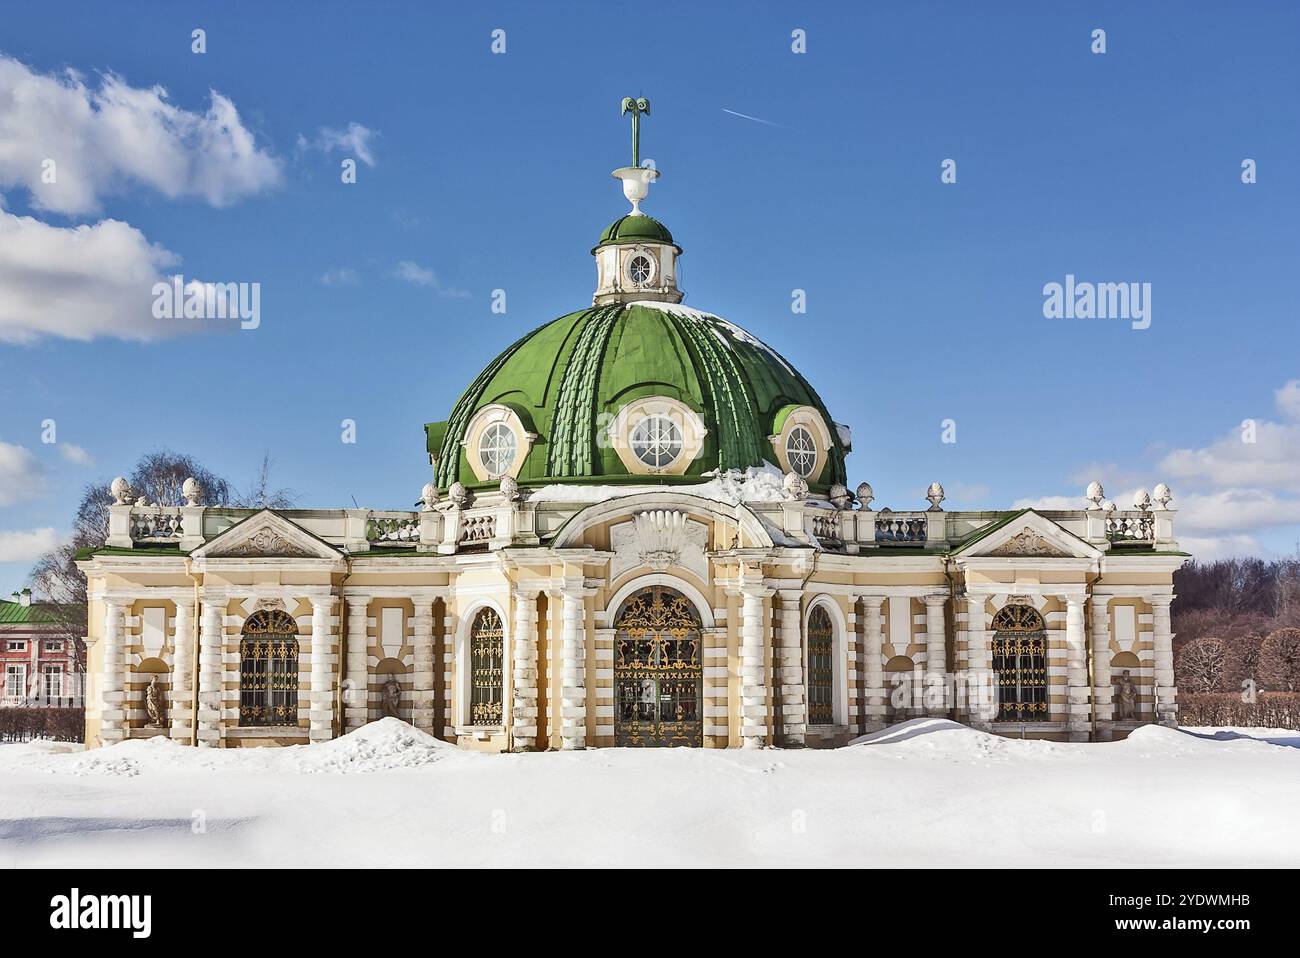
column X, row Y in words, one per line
column 636, row 107
column 636, row 179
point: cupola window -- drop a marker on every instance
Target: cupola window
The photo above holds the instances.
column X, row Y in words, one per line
column 497, row 448
column 640, row 269
column 657, row 441
column 801, row 451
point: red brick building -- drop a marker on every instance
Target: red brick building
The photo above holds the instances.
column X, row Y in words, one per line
column 38, row 660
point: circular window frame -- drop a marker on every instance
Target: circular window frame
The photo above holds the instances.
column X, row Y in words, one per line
column 650, row 258
column 492, row 415
column 675, row 438
column 687, row 420
column 807, row 418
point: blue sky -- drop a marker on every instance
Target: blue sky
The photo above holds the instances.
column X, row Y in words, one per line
column 925, row 300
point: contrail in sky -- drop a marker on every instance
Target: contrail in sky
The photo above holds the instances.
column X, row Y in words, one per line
column 746, row 116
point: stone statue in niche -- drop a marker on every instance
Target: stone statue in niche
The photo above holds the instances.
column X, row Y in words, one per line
column 1127, row 698
column 153, row 704
column 392, row 698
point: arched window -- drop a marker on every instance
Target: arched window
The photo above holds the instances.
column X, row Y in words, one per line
column 1020, row 664
column 658, row 670
column 487, row 641
column 496, row 449
column 801, row 451
column 268, row 669
column 821, row 667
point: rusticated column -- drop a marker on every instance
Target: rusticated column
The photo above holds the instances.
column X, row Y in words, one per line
column 935, row 696
column 323, row 660
column 523, row 710
column 573, row 671
column 356, row 695
column 211, row 675
column 1102, row 690
column 422, row 715
column 180, row 711
column 1078, row 711
column 753, row 681
column 790, row 677
column 873, row 665
column 981, row 696
column 1165, row 691
column 112, row 678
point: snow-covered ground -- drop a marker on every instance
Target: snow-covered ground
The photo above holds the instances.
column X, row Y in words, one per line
column 925, row 793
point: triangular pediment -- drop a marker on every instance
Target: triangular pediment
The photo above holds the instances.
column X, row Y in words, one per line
column 1028, row 535
column 266, row 535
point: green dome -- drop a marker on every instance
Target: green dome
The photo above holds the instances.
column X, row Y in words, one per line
column 635, row 229
column 568, row 379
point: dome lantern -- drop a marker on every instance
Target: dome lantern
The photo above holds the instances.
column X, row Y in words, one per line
column 636, row 257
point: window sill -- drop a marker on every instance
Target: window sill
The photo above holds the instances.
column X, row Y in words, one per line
column 265, row 731
column 480, row 732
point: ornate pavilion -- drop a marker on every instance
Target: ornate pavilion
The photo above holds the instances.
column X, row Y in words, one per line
column 639, row 531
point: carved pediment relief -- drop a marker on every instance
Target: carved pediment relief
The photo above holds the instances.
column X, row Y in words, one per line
column 265, row 543
column 266, row 535
column 660, row 539
column 1028, row 542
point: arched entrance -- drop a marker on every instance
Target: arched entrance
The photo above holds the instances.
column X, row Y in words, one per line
column 658, row 673
column 268, row 669
column 1020, row 664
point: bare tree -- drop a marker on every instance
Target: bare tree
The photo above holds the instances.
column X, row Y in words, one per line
column 158, row 475
column 1242, row 662
column 1201, row 665
column 1279, row 661
column 260, row 495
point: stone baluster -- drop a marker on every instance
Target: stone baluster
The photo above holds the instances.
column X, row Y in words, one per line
column 1165, row 693
column 981, row 696
column 422, row 715
column 935, row 696
column 523, row 709
column 873, row 665
column 573, row 661
column 180, row 711
column 753, row 684
column 790, row 677
column 1078, row 713
column 356, row 699
column 211, row 642
column 323, row 659
column 1102, row 690
column 113, row 679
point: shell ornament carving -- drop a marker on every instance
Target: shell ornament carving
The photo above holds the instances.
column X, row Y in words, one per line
column 267, row 542
column 1027, row 542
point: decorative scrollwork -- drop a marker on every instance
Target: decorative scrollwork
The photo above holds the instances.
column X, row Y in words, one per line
column 1018, row 618
column 487, row 651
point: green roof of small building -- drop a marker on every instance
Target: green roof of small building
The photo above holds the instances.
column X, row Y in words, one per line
column 573, row 375
column 635, row 229
column 15, row 613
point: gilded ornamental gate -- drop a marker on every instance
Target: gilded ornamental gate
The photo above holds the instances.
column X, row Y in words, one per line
column 1020, row 664
column 658, row 678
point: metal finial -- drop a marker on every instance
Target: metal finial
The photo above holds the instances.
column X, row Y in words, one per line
column 636, row 106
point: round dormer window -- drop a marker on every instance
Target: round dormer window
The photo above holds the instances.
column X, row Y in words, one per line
column 657, row 441
column 640, row 270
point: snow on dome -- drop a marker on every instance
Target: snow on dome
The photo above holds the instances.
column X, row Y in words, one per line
column 755, row 484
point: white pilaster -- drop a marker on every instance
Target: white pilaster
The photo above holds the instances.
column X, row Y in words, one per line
column 981, row 696
column 356, row 695
column 1166, row 707
column 753, row 684
column 524, row 671
column 422, row 714
column 935, row 696
column 323, row 660
column 180, row 710
column 790, row 676
column 112, row 678
column 573, row 670
column 211, row 640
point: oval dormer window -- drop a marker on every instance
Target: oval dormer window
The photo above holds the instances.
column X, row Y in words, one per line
column 496, row 449
column 640, row 270
column 801, row 451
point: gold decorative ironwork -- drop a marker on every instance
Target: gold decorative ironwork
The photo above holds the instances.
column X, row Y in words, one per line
column 658, row 673
column 821, row 669
column 1019, row 650
column 268, row 669
column 487, row 651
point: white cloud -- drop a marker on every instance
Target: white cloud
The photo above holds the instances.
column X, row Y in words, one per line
column 76, row 454
column 26, row 545
column 354, row 141
column 1288, row 400
column 343, row 276
column 21, row 476
column 1049, row 502
column 419, row 275
column 102, row 138
column 79, row 282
